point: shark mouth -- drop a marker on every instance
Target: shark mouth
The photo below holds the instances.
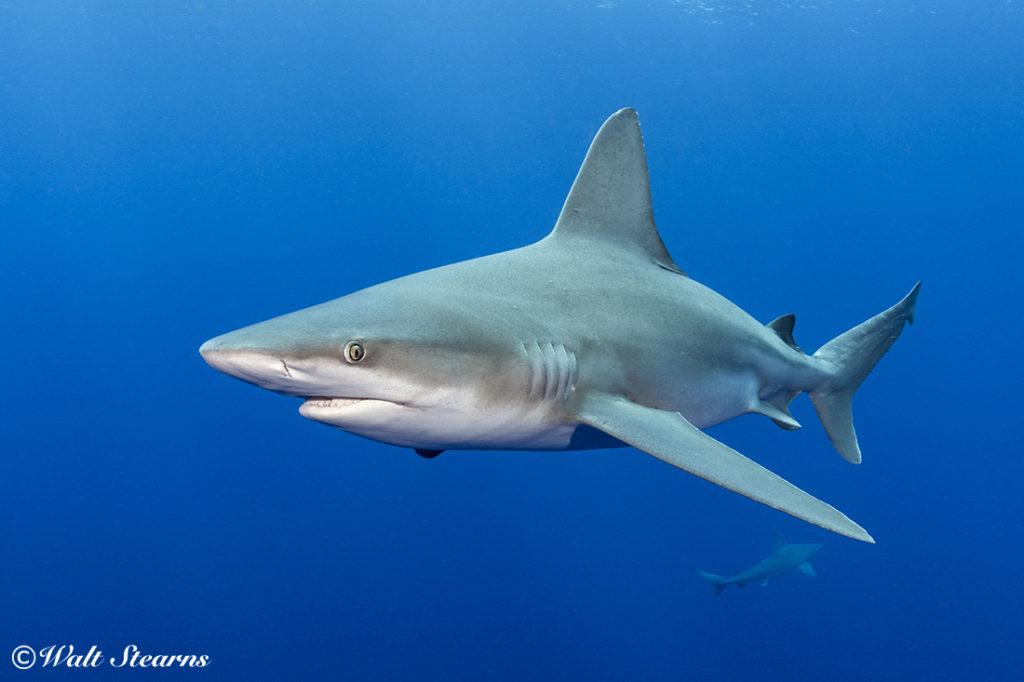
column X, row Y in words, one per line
column 326, row 403
column 334, row 411
column 345, row 411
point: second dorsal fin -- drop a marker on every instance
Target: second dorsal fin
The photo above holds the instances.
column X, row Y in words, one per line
column 783, row 326
column 610, row 201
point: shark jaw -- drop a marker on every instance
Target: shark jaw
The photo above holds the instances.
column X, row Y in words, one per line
column 311, row 404
column 348, row 413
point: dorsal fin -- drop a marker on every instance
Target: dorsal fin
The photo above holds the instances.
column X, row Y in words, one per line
column 783, row 326
column 778, row 542
column 611, row 197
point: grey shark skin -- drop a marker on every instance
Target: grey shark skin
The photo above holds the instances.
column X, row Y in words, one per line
column 592, row 337
column 784, row 558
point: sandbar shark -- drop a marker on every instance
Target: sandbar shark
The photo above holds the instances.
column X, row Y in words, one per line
column 783, row 559
column 592, row 337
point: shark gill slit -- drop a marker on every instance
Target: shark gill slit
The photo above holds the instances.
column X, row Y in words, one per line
column 552, row 370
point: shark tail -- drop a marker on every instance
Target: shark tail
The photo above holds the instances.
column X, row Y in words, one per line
column 850, row 357
column 716, row 581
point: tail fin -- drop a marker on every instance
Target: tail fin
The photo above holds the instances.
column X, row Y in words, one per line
column 852, row 355
column 716, row 581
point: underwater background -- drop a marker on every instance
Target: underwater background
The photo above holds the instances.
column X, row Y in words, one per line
column 173, row 170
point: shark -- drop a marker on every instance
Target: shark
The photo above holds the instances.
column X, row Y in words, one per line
column 592, row 337
column 784, row 558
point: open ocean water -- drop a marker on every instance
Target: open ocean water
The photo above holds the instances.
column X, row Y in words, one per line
column 173, row 170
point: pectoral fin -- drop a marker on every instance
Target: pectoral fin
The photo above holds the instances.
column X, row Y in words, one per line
column 807, row 570
column 671, row 438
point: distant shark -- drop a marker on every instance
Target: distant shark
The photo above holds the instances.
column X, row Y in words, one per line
column 592, row 337
column 783, row 559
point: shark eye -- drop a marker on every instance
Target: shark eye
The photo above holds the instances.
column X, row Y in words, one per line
column 354, row 352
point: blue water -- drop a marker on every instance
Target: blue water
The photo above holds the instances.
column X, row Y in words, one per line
column 173, row 170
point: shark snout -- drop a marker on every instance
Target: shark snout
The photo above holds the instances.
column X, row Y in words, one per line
column 256, row 366
column 264, row 361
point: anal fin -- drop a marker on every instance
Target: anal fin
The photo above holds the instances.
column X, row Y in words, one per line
column 777, row 409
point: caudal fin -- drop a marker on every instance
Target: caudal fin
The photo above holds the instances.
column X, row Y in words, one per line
column 851, row 356
column 716, row 581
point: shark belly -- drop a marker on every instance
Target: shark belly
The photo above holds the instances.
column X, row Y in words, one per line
column 716, row 399
column 480, row 428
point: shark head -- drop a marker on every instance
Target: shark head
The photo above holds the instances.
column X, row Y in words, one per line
column 392, row 363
